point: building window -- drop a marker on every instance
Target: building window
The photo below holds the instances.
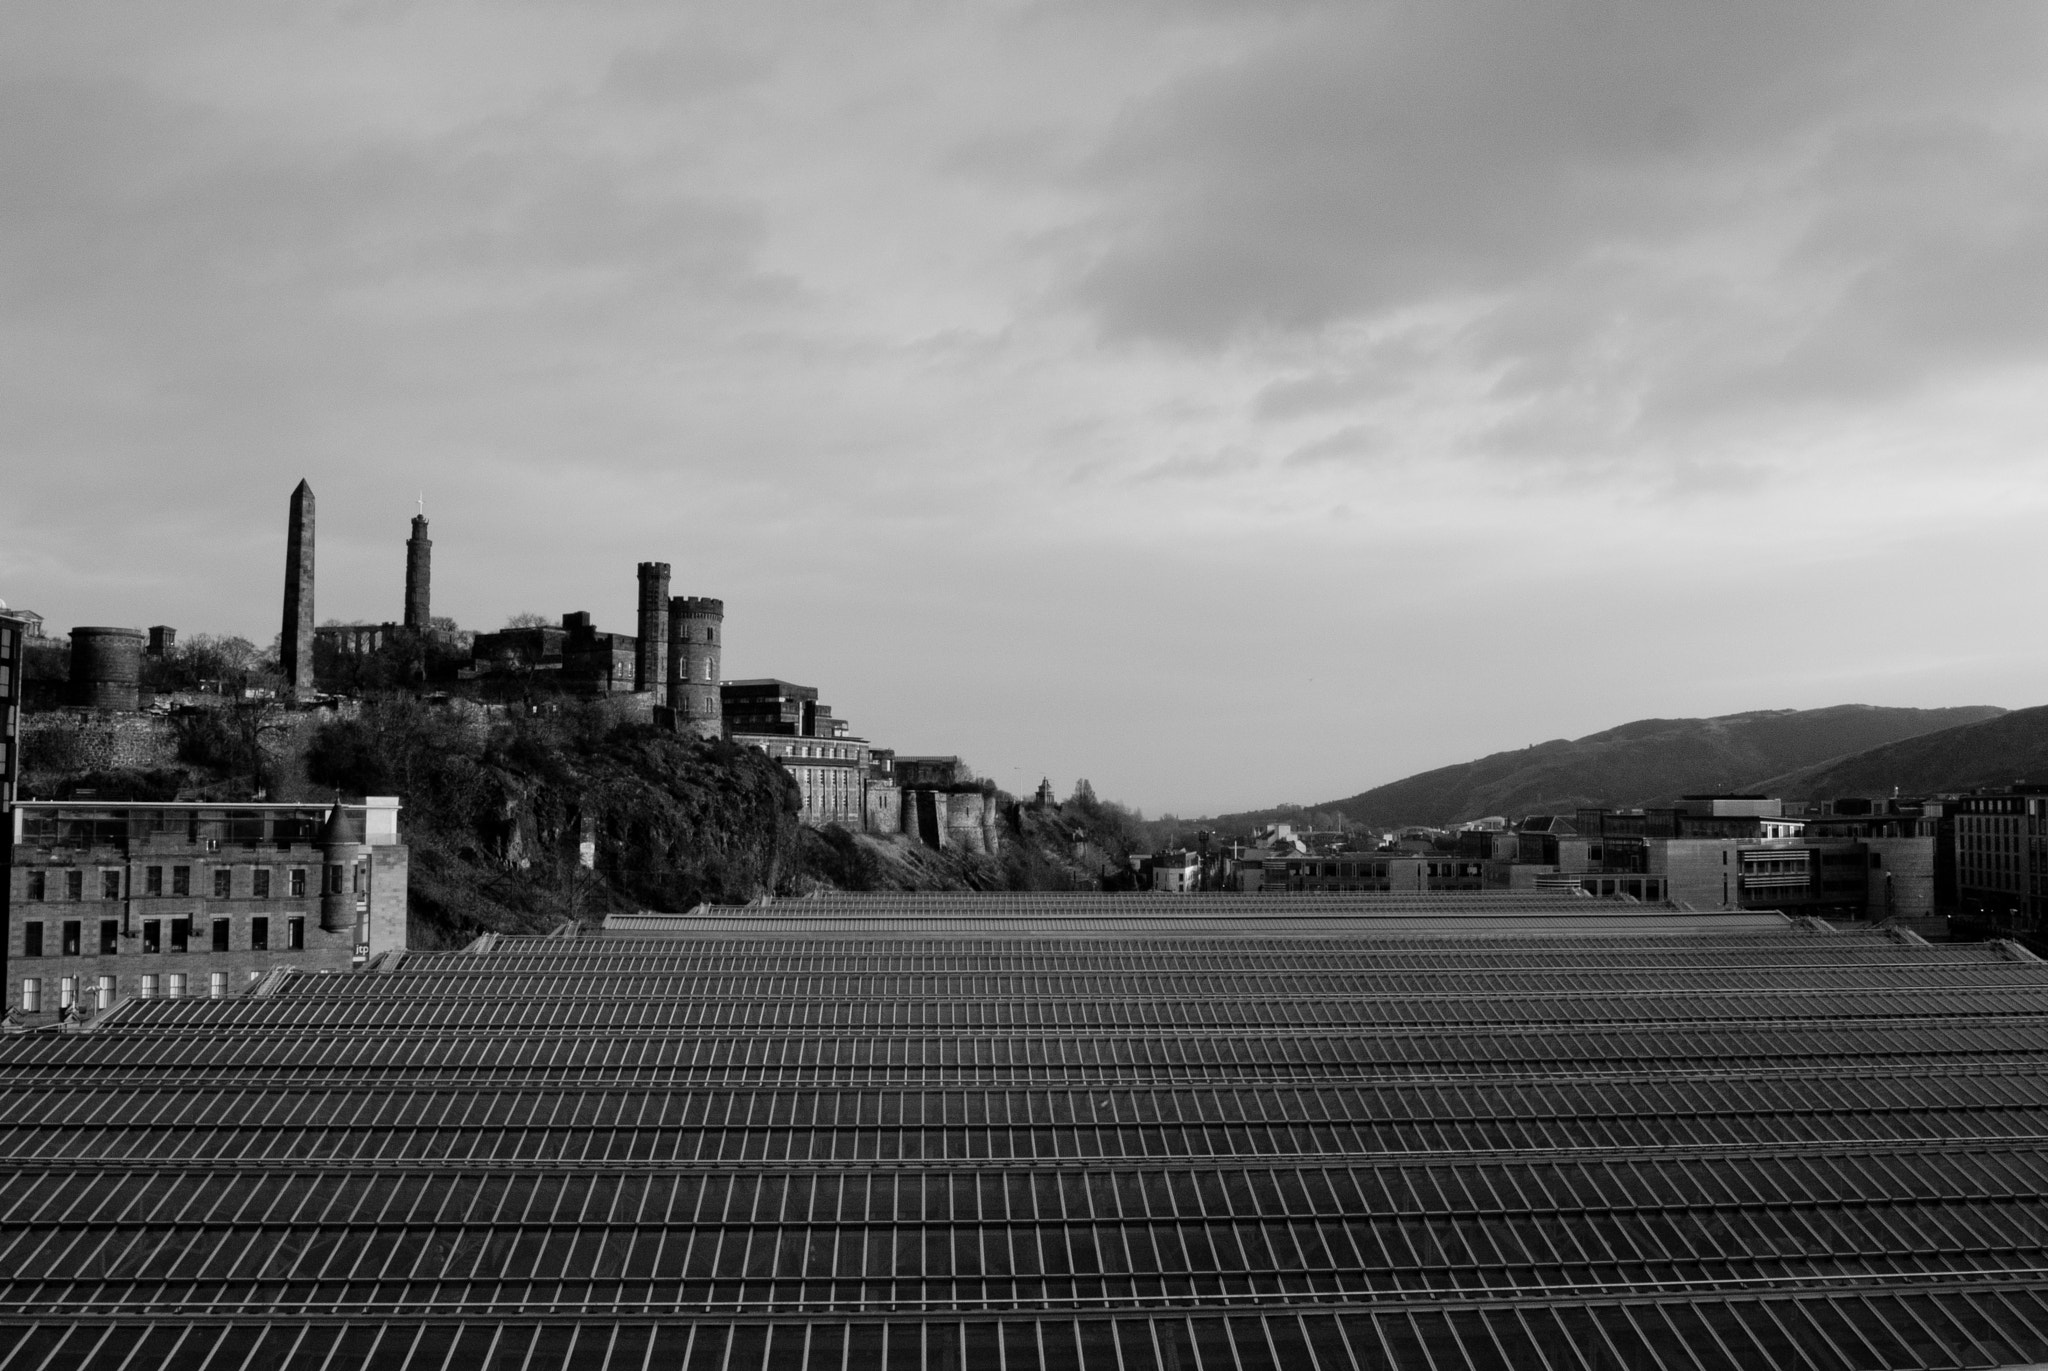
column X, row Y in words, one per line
column 74, row 933
column 295, row 934
column 148, row 988
column 220, row 935
column 74, row 885
column 216, row 984
column 259, row 884
column 153, row 880
column 32, row 938
column 177, row 986
column 334, row 885
column 67, row 992
column 110, row 885
column 110, row 937
column 181, row 880
column 31, row 994
column 104, row 993
column 36, row 885
column 181, row 933
column 152, row 935
column 222, row 878
column 298, row 883
column 259, row 933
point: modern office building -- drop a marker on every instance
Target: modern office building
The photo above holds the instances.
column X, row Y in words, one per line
column 1240, row 1133
column 1745, row 852
column 175, row 901
column 2001, row 856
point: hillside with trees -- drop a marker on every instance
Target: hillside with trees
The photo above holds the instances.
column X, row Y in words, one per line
column 1991, row 752
column 1647, row 762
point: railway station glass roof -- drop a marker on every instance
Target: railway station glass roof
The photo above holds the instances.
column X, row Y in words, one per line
column 990, row 1133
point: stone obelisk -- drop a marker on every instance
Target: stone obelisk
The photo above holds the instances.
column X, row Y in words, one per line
column 296, row 652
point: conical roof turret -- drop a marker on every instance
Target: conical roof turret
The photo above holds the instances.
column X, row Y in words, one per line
column 337, row 831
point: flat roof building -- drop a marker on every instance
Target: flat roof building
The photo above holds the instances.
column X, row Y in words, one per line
column 2001, row 857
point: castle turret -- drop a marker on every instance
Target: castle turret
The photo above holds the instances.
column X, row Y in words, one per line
column 650, row 652
column 419, row 571
column 696, row 627
column 344, row 873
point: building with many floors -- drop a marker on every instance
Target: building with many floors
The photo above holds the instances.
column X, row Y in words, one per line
column 177, row 900
column 2001, row 857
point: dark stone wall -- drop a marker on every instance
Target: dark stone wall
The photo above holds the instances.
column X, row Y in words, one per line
column 106, row 668
column 97, row 740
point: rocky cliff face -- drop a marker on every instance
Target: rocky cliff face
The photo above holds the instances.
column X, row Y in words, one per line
column 998, row 844
column 516, row 824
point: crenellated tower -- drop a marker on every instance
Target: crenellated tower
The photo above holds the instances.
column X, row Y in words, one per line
column 696, row 629
column 651, row 650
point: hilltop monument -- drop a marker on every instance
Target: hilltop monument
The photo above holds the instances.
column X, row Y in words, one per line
column 297, row 648
column 419, row 569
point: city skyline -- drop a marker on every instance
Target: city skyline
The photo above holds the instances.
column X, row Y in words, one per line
column 1229, row 408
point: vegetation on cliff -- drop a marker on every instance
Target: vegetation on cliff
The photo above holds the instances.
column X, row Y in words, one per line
column 1080, row 845
column 499, row 813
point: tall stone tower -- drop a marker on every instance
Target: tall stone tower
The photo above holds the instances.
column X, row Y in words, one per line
column 696, row 628
column 419, row 574
column 650, row 650
column 297, row 648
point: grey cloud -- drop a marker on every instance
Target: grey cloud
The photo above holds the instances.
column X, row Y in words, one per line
column 1557, row 162
column 687, row 67
column 1350, row 444
column 1380, row 371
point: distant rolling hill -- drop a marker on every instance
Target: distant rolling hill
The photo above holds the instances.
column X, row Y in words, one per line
column 1654, row 761
column 1996, row 751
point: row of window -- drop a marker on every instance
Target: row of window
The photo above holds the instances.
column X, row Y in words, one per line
column 180, row 930
column 42, row 887
column 99, row 992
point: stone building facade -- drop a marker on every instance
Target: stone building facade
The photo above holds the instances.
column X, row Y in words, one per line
column 186, row 900
column 831, row 774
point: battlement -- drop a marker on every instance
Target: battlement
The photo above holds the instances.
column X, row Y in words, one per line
column 697, row 607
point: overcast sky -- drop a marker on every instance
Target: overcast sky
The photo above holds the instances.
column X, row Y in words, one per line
column 1231, row 404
